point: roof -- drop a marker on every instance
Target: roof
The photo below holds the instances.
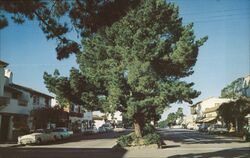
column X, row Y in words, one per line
column 195, row 104
column 32, row 91
column 3, row 64
column 208, row 119
column 12, row 89
column 215, row 108
column 212, row 109
column 203, row 101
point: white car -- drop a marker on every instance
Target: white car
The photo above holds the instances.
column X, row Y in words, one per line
column 216, row 128
column 119, row 129
column 37, row 137
column 62, row 133
column 193, row 126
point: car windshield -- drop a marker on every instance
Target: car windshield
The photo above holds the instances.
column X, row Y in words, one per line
column 59, row 130
column 39, row 131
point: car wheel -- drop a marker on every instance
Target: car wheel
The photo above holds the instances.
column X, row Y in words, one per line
column 39, row 141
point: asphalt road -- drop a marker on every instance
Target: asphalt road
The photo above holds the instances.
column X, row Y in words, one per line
column 179, row 143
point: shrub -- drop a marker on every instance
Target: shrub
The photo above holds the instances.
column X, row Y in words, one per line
column 126, row 140
column 152, row 138
column 132, row 140
column 149, row 129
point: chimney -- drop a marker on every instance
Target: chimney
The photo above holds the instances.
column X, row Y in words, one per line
column 2, row 74
column 9, row 75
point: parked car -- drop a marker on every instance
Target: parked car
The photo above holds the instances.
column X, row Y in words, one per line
column 119, row 129
column 102, row 129
column 204, row 128
column 246, row 129
column 62, row 133
column 37, row 137
column 90, row 130
column 246, row 133
column 105, row 128
column 216, row 128
column 193, row 126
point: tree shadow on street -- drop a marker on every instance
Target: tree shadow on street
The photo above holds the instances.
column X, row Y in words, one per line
column 61, row 153
column 81, row 137
column 191, row 137
column 228, row 153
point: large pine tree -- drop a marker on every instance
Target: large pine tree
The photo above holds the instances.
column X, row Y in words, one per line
column 135, row 65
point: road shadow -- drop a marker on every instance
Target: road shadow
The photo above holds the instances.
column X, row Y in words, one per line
column 81, row 137
column 169, row 146
column 62, row 153
column 228, row 153
column 193, row 137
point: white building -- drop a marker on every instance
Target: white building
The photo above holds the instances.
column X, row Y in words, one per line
column 100, row 118
column 200, row 110
column 16, row 103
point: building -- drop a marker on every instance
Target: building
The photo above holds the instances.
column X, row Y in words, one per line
column 16, row 103
column 187, row 120
column 100, row 118
column 206, row 111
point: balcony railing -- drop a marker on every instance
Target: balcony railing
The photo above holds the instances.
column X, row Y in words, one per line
column 4, row 101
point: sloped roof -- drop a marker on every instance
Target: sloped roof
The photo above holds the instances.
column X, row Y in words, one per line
column 3, row 64
column 29, row 90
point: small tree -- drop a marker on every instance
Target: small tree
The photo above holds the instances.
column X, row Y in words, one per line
column 235, row 111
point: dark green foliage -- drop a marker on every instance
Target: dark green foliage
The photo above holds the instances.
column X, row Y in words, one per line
column 152, row 138
column 162, row 124
column 132, row 140
column 75, row 89
column 236, row 89
column 57, row 18
column 149, row 129
column 235, row 111
column 134, row 65
column 171, row 119
column 126, row 140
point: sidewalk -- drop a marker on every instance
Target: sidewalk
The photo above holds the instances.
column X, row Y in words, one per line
column 8, row 144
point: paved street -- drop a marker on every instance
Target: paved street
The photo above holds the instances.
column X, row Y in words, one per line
column 180, row 143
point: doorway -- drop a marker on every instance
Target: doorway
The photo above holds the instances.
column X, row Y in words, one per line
column 4, row 127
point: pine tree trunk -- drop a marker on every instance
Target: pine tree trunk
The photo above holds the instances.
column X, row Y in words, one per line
column 139, row 125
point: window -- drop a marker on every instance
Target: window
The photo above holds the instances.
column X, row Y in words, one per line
column 47, row 102
column 14, row 95
column 35, row 100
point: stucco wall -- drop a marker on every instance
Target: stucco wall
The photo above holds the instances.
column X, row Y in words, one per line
column 1, row 81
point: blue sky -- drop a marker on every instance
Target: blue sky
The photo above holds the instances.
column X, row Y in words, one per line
column 223, row 58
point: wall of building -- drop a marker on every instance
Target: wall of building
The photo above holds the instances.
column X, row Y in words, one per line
column 1, row 81
column 210, row 103
column 88, row 116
